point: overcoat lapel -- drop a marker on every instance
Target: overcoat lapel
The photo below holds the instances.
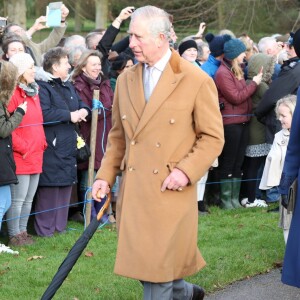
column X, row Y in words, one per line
column 136, row 90
column 165, row 86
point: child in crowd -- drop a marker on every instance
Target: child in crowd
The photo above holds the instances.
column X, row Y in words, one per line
column 8, row 122
column 275, row 160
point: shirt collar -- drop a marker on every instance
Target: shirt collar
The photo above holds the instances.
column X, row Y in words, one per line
column 161, row 64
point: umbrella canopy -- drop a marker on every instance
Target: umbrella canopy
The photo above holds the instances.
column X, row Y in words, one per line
column 72, row 257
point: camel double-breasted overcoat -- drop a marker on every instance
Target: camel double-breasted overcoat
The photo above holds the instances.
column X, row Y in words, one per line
column 180, row 126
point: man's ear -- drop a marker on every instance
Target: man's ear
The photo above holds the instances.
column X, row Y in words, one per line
column 160, row 39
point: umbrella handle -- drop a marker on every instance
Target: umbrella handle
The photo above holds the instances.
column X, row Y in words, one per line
column 104, row 207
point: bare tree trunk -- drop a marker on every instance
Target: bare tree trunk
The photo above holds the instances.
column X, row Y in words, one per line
column 221, row 22
column 78, row 19
column 101, row 13
column 40, row 7
column 16, row 11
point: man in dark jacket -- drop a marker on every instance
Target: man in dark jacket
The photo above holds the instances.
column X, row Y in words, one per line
column 286, row 83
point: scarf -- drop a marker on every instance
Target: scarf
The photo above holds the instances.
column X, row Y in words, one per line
column 30, row 90
column 94, row 83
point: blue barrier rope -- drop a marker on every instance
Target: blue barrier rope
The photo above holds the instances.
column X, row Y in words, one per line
column 98, row 105
column 91, row 201
column 43, row 211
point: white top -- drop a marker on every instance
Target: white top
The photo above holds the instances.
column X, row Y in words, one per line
column 275, row 161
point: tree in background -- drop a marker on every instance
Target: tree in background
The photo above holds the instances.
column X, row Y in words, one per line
column 255, row 17
column 16, row 11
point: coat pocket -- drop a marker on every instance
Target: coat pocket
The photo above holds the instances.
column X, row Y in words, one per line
column 123, row 164
column 171, row 166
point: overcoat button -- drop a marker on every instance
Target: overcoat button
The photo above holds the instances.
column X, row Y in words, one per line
column 172, row 121
column 133, row 142
column 155, row 171
column 158, row 145
column 130, row 169
column 124, row 117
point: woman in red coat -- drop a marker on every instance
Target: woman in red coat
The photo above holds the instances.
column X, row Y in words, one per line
column 29, row 143
column 88, row 77
column 236, row 107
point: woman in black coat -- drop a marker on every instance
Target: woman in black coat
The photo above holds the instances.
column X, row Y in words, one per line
column 62, row 109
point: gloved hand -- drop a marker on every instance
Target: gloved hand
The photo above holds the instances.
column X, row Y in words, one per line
column 284, row 201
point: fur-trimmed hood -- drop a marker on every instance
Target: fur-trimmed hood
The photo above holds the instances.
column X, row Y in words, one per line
column 261, row 60
column 42, row 75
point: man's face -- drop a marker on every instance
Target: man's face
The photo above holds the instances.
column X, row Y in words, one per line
column 273, row 48
column 146, row 48
column 62, row 68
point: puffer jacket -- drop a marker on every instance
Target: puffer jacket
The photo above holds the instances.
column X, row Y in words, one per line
column 58, row 99
column 29, row 141
column 234, row 95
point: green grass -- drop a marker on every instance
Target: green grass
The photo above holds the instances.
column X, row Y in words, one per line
column 235, row 244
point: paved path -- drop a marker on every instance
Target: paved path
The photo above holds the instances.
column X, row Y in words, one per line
column 261, row 287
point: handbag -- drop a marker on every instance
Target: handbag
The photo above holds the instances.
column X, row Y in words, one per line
column 83, row 150
column 290, row 201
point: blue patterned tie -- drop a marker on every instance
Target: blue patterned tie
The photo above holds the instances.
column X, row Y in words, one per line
column 148, row 82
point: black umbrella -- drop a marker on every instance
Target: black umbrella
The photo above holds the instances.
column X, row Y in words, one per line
column 74, row 253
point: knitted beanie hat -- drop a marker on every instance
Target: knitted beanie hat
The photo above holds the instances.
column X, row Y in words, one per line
column 187, row 45
column 233, row 47
column 23, row 62
column 216, row 44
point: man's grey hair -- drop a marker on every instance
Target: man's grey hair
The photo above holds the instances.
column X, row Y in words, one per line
column 264, row 43
column 73, row 51
column 158, row 20
column 90, row 39
column 74, row 40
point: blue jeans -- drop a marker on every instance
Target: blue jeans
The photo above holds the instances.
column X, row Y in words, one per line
column 272, row 194
column 5, row 201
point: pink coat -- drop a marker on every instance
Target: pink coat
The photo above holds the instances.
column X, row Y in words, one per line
column 29, row 141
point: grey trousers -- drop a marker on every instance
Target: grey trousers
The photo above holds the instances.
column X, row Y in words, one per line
column 173, row 290
column 21, row 201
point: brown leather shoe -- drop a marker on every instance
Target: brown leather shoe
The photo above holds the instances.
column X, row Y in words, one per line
column 27, row 238
column 17, row 240
column 198, row 292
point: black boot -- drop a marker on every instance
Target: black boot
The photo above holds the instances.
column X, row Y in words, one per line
column 77, row 211
column 202, row 208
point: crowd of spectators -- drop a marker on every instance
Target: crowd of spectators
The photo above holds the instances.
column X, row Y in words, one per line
column 55, row 81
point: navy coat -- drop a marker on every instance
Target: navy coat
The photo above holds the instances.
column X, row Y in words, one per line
column 291, row 264
column 57, row 100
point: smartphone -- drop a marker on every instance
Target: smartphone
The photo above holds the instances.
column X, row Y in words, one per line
column 3, row 22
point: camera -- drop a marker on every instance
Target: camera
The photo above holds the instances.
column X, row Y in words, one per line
column 3, row 22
